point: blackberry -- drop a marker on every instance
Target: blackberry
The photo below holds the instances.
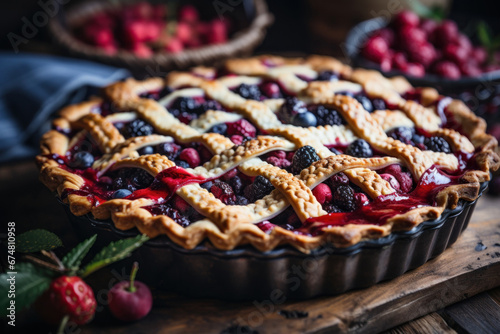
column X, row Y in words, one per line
column 138, row 128
column 184, row 104
column 359, row 148
column 291, row 107
column 142, row 179
column 241, row 200
column 237, row 185
column 224, row 192
column 172, row 213
column 327, row 76
column 165, row 91
column 403, row 133
column 365, row 102
column 437, row 144
column 303, row 158
column 378, row 104
column 118, row 183
column 350, row 94
column 250, row 92
column 258, row 189
column 331, row 208
column 327, row 116
column 343, row 197
column 219, row 128
column 207, row 105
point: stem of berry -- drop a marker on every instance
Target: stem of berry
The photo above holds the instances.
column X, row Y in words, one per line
column 63, row 324
column 45, row 264
column 131, row 287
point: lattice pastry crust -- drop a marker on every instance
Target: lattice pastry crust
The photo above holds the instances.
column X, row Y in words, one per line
column 227, row 226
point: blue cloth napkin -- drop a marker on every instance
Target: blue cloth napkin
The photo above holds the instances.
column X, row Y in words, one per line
column 33, row 87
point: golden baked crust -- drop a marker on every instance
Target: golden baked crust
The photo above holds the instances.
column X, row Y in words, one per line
column 227, row 226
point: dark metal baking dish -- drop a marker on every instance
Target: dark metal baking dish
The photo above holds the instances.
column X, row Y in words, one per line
column 246, row 273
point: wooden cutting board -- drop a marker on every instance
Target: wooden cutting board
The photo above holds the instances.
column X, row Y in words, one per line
column 470, row 266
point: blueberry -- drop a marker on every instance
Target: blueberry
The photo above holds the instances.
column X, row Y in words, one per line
column 251, row 92
column 184, row 104
column 418, row 139
column 327, row 76
column 402, row 133
column 365, row 102
column 82, row 160
column 379, row 104
column 290, row 107
column 359, row 148
column 146, row 150
column 207, row 185
column 170, row 150
column 334, row 150
column 304, row 119
column 121, row 193
column 182, row 164
column 351, row 94
column 219, row 128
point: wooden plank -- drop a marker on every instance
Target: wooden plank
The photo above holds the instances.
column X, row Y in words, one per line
column 432, row 324
column 479, row 314
column 495, row 294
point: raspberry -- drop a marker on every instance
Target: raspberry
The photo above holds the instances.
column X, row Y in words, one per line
column 191, row 156
column 327, row 116
column 343, row 197
column 338, row 179
column 406, row 18
column 170, row 150
column 447, row 69
column 271, row 90
column 250, row 92
column 183, row 32
column 138, row 128
column 174, row 45
column 464, row 42
column 278, row 154
column 230, row 174
column 437, row 144
column 428, row 26
column 67, row 295
column 455, row 53
column 386, row 34
column 237, row 139
column 322, row 193
column 375, row 49
column 217, row 32
column 470, row 69
column 423, row 54
column 403, row 133
column 359, row 148
column 479, row 54
column 242, row 128
column 303, row 158
column 224, row 192
column 392, row 181
column 258, row 189
column 180, row 204
column 361, row 199
column 281, row 163
column 327, row 76
column 445, row 33
column 404, row 178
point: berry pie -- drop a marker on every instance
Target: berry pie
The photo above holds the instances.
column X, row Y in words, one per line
column 267, row 151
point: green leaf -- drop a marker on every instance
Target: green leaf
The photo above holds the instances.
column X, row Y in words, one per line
column 484, row 34
column 419, row 8
column 28, row 283
column 113, row 252
column 37, row 240
column 74, row 258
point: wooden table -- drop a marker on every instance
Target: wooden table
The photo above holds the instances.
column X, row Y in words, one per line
column 459, row 291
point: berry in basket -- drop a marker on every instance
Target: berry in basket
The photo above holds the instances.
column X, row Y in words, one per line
column 144, row 29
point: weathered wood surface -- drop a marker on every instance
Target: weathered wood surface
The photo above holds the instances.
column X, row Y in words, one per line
column 407, row 304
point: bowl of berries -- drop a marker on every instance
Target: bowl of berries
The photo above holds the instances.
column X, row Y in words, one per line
column 151, row 38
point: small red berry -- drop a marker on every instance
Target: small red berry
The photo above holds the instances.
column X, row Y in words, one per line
column 242, row 127
column 67, row 295
column 217, row 32
column 406, row 18
column 479, row 54
column 191, row 156
column 271, row 90
column 445, row 33
column 415, row 70
column 323, row 193
column 411, row 37
column 428, row 26
column 386, row 34
column 236, row 139
column 399, row 61
column 455, row 53
column 470, row 69
column 130, row 300
column 174, row 45
column 424, row 54
column 447, row 69
column 189, row 14
column 375, row 49
column 184, row 32
column 141, row 50
column 181, row 205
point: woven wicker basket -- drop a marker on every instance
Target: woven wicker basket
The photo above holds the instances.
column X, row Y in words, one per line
column 242, row 42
